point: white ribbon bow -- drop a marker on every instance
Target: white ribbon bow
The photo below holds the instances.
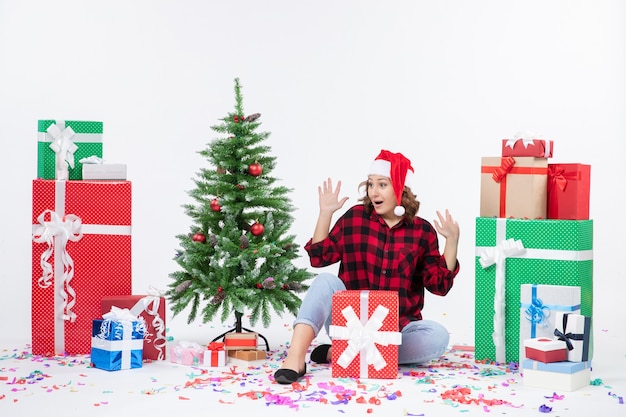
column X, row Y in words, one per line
column 363, row 338
column 56, row 233
column 63, row 146
column 497, row 256
column 527, row 139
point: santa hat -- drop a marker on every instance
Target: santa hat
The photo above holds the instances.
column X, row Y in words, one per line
column 398, row 168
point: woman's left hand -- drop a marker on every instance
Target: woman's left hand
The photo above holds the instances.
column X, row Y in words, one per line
column 447, row 226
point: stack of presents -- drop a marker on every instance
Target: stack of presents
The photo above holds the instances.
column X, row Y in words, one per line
column 534, row 265
column 82, row 301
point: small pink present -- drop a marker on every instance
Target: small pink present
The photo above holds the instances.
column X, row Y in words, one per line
column 186, row 353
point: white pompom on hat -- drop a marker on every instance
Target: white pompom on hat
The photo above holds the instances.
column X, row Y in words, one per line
column 396, row 167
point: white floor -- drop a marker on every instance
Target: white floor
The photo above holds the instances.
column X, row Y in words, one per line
column 68, row 387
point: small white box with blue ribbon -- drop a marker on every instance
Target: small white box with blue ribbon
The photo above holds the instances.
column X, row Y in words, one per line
column 117, row 341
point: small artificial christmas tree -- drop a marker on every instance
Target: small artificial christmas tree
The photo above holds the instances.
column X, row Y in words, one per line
column 238, row 255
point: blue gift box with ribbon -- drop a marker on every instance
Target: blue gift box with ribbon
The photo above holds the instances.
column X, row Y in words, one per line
column 117, row 342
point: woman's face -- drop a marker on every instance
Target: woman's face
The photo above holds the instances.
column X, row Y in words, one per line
column 380, row 191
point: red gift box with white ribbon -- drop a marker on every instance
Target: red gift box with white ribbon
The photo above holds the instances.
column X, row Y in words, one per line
column 365, row 334
column 545, row 350
column 527, row 146
column 150, row 307
column 81, row 252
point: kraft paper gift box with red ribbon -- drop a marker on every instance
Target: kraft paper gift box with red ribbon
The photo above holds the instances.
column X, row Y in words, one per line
column 151, row 308
column 545, row 350
column 539, row 307
column 61, row 144
column 215, row 354
column 186, row 353
column 241, row 340
column 512, row 252
column 365, row 334
column 556, row 376
column 575, row 331
column 569, row 191
column 527, row 145
column 117, row 341
column 81, row 252
column 513, row 187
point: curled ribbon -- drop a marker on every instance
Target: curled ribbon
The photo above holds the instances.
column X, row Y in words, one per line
column 63, row 146
column 363, row 338
column 150, row 304
column 56, row 233
column 505, row 167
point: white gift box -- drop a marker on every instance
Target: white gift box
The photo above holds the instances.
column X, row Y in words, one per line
column 538, row 309
column 557, row 376
column 575, row 331
column 104, row 171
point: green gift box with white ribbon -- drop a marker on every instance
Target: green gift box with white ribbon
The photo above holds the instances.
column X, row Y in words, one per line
column 512, row 252
column 61, row 144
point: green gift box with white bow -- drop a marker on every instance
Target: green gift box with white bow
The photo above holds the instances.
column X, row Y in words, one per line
column 61, row 144
column 512, row 252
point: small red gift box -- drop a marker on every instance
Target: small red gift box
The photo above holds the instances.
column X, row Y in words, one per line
column 365, row 334
column 545, row 350
column 152, row 309
column 539, row 148
column 81, row 252
column 513, row 187
column 215, row 355
column 568, row 191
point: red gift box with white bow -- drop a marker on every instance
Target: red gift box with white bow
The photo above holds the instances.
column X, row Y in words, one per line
column 152, row 309
column 81, row 252
column 365, row 334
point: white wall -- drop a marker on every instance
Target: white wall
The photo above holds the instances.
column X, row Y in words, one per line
column 335, row 81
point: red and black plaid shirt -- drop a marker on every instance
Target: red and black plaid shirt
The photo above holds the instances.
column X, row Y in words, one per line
column 372, row 256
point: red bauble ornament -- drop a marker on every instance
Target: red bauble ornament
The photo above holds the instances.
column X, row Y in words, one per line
column 215, row 205
column 255, row 169
column 236, row 119
column 259, row 286
column 257, row 229
column 239, row 187
column 199, row 237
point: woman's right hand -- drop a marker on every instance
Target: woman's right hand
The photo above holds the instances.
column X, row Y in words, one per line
column 328, row 198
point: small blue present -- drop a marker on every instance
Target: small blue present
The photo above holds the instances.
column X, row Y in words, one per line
column 117, row 341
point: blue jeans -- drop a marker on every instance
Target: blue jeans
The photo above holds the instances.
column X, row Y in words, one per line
column 422, row 340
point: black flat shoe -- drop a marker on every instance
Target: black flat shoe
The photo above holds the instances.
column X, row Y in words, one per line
column 288, row 376
column 320, row 354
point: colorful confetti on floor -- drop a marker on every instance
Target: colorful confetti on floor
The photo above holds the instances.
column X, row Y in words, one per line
column 456, row 383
